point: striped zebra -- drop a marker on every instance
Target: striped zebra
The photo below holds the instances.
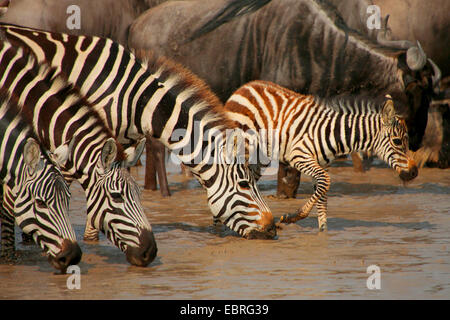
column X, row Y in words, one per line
column 141, row 95
column 41, row 196
column 313, row 131
column 59, row 114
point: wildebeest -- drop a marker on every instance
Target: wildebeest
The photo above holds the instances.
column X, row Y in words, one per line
column 302, row 45
column 104, row 18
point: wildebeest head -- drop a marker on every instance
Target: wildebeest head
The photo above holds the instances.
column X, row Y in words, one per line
column 420, row 77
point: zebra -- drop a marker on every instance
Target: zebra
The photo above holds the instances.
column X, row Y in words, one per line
column 313, row 131
column 60, row 114
column 41, row 195
column 138, row 94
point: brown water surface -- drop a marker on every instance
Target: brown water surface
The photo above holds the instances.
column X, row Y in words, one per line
column 373, row 219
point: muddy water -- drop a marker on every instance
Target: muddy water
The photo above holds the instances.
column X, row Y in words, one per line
column 373, row 220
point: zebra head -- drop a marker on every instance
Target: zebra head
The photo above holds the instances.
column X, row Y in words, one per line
column 41, row 205
column 114, row 204
column 233, row 196
column 393, row 142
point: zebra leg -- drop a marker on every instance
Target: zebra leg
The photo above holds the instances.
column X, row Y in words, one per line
column 90, row 233
column 7, row 225
column 322, row 212
column 321, row 209
column 308, row 165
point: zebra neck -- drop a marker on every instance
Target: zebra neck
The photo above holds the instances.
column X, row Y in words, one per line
column 358, row 132
column 199, row 147
column 13, row 168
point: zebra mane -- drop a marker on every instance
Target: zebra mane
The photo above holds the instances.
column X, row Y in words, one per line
column 65, row 90
column 12, row 103
column 200, row 91
column 355, row 104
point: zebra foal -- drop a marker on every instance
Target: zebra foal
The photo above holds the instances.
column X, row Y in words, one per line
column 40, row 201
column 313, row 131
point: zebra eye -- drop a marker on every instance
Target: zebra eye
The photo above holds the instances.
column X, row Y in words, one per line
column 117, row 197
column 244, row 184
column 397, row 141
column 41, row 204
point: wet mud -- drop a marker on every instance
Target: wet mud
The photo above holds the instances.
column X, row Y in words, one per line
column 373, row 219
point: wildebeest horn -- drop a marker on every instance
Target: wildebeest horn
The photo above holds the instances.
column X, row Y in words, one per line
column 416, row 57
column 4, row 4
column 398, row 44
column 436, row 73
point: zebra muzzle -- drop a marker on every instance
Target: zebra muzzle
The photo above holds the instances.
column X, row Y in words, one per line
column 146, row 252
column 268, row 233
column 70, row 254
column 411, row 173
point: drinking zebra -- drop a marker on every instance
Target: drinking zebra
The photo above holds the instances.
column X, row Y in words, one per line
column 59, row 114
column 40, row 194
column 313, row 131
column 157, row 98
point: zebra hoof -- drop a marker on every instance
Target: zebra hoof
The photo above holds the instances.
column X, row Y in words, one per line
column 93, row 238
column 323, row 227
column 289, row 218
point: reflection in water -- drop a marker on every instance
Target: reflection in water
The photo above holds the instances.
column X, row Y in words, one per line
column 373, row 220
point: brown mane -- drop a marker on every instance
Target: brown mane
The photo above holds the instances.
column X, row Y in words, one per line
column 188, row 80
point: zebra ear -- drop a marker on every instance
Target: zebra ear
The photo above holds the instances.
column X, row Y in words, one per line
column 109, row 153
column 61, row 154
column 32, row 154
column 133, row 153
column 388, row 112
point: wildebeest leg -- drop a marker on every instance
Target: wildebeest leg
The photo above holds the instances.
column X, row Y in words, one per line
column 357, row 162
column 306, row 164
column 156, row 165
column 160, row 164
column 150, row 169
column 288, row 182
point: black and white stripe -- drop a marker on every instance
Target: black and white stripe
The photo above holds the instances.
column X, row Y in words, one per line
column 159, row 99
column 35, row 194
column 312, row 132
column 60, row 115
